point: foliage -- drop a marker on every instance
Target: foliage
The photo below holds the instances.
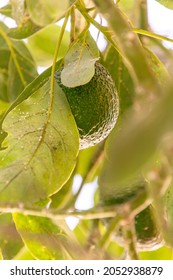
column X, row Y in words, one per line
column 44, row 176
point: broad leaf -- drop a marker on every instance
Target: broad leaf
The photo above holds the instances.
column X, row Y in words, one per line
column 122, row 78
column 17, row 65
column 25, row 29
column 10, row 241
column 79, row 61
column 45, row 239
column 17, row 80
column 40, row 149
column 44, row 12
column 167, row 3
column 42, row 44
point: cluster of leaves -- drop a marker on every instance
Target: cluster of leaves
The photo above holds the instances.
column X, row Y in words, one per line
column 39, row 152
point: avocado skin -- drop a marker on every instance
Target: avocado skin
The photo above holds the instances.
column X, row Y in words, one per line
column 95, row 106
column 147, row 231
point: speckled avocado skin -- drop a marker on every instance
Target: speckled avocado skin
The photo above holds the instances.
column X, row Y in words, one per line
column 94, row 106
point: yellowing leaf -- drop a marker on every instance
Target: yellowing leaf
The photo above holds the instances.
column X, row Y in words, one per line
column 167, row 3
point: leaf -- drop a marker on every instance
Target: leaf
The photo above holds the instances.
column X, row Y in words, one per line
column 1, row 257
column 129, row 44
column 17, row 64
column 44, row 12
column 122, row 78
column 45, row 239
column 25, row 29
column 167, row 3
column 41, row 147
column 158, row 68
column 64, row 196
column 6, row 10
column 28, row 91
column 163, row 253
column 10, row 240
column 18, row 10
column 24, row 254
column 79, row 61
column 134, row 146
column 42, row 44
column 26, row 64
column 3, row 85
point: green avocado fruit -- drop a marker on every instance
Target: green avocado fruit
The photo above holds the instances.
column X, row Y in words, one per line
column 95, row 106
column 147, row 230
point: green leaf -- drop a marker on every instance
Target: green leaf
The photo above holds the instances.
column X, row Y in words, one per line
column 44, row 238
column 122, row 78
column 130, row 45
column 158, row 68
column 79, row 61
column 44, row 12
column 3, row 85
column 41, row 147
column 167, row 3
column 26, row 64
column 24, row 254
column 163, row 253
column 42, row 44
column 10, row 240
column 18, row 64
column 25, row 29
column 6, row 10
column 61, row 198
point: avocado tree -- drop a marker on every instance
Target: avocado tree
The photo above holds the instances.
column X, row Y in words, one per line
column 94, row 126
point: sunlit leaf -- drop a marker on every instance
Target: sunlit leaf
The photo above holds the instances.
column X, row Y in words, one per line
column 25, row 29
column 130, row 45
column 79, row 61
column 24, row 254
column 18, row 9
column 10, row 240
column 16, row 81
column 42, row 44
column 122, row 78
column 163, row 253
column 43, row 12
column 45, row 239
column 17, row 65
column 42, row 145
column 167, row 3
column 6, row 10
column 1, row 257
